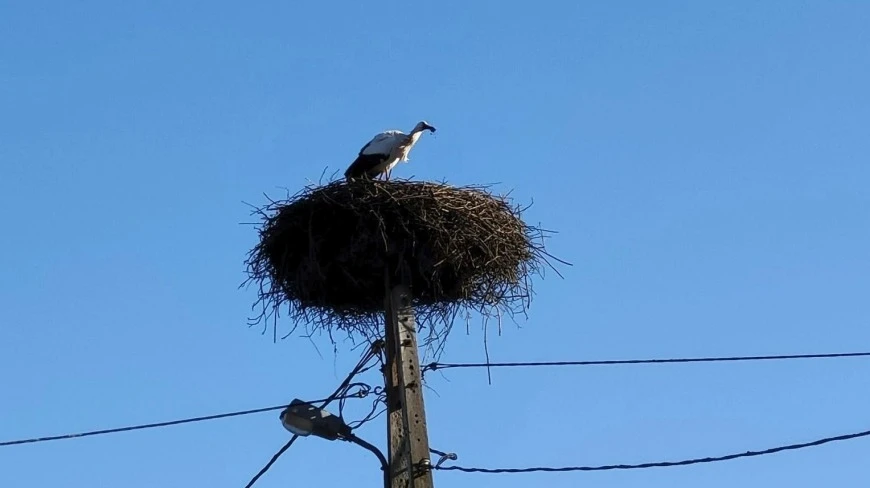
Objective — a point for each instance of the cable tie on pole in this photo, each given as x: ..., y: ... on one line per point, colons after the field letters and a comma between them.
x: 444, y: 457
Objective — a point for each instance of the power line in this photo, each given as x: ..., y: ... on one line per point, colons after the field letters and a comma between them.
x: 341, y: 393
x: 436, y: 366
x: 662, y: 464
x: 157, y: 424
x: 272, y: 461
x: 143, y: 426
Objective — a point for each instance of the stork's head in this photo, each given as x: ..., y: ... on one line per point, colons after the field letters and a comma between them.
x: 423, y: 125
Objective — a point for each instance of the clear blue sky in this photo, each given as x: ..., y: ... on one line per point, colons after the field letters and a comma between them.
x: 704, y: 162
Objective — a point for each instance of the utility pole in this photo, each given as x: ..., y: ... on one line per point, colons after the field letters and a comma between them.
x: 406, y: 425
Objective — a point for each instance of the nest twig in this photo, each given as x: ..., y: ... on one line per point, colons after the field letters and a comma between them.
x: 324, y: 253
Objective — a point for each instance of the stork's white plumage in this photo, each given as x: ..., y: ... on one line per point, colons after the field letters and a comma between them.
x: 384, y: 152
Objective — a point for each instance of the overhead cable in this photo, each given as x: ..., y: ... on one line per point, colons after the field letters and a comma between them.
x: 608, y: 362
x: 661, y: 464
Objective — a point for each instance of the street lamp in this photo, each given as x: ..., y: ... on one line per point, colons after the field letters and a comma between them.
x: 304, y: 419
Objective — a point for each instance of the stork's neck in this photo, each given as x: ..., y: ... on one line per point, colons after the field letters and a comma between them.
x: 414, y: 136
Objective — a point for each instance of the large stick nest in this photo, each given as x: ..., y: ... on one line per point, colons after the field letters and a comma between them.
x: 327, y: 252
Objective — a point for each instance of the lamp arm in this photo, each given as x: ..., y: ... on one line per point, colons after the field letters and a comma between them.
x: 385, y: 466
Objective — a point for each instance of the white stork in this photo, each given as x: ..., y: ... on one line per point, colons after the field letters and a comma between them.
x: 384, y: 152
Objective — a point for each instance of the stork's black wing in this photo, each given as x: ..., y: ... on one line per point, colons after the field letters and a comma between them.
x: 364, y: 164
